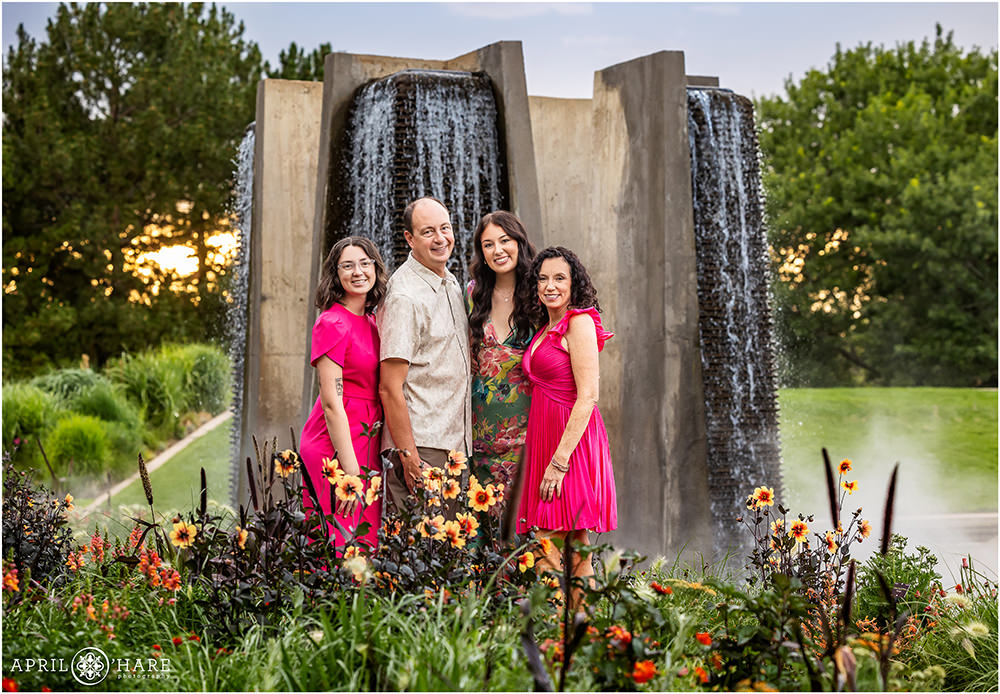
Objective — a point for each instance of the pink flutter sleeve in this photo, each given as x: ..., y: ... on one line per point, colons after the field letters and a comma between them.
x: 602, y: 335
x: 330, y: 337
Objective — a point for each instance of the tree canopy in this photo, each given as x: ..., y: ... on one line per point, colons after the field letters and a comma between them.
x: 119, y: 134
x: 881, y: 181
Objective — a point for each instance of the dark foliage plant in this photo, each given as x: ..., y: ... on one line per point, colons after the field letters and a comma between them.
x: 36, y: 537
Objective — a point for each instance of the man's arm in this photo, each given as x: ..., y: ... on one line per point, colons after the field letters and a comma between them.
x: 397, y: 417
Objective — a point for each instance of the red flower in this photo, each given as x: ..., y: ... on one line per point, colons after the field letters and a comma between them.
x: 46, y: 689
x: 644, y: 671
x: 662, y: 590
x: 958, y: 588
x: 704, y: 638
x: 9, y: 685
x: 177, y: 640
x: 701, y: 674
x: 156, y: 647
x: 194, y: 637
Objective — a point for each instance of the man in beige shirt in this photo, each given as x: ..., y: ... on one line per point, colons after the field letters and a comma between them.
x: 425, y: 382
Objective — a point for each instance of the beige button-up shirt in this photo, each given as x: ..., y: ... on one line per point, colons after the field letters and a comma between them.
x: 423, y: 322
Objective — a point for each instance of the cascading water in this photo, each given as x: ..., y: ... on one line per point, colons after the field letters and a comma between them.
x: 236, y: 315
x: 735, y: 322
x: 416, y: 133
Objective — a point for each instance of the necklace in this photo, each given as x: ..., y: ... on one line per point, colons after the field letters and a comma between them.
x: 507, y: 299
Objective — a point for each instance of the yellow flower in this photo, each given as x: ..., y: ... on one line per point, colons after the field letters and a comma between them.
x: 456, y: 462
x: 845, y: 466
x: 286, y: 462
x: 349, y: 487
x: 799, y: 530
x: 352, y: 551
x: 831, y: 545
x: 371, y: 494
x: 434, y: 500
x: 453, y: 533
x: 763, y: 496
x: 331, y: 470
x: 241, y: 537
x: 357, y: 566
x: 866, y: 528
x: 777, y: 526
x: 470, y: 526
x: 849, y: 486
x: 480, y: 499
x: 183, y: 534
x: 69, y: 502
x: 525, y: 561
x: 451, y: 489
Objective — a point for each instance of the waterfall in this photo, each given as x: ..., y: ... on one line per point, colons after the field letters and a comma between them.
x: 236, y: 314
x: 735, y: 323
x: 416, y: 133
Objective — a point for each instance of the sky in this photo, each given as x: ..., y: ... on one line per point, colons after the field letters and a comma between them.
x: 752, y: 47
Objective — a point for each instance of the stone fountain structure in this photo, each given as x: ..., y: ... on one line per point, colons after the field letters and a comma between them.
x: 654, y: 182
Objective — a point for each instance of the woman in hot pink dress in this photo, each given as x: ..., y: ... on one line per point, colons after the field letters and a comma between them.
x: 345, y: 353
x: 569, y: 486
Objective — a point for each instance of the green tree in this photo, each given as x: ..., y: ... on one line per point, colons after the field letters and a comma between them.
x: 119, y: 134
x: 881, y: 182
x: 296, y: 64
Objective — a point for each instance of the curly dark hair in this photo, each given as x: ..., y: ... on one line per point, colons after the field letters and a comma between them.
x: 484, y: 279
x: 583, y: 294
x: 329, y: 291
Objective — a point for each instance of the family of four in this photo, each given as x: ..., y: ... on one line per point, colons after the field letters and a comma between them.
x: 511, y: 364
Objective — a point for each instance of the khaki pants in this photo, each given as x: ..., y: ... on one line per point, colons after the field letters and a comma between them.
x: 398, y: 496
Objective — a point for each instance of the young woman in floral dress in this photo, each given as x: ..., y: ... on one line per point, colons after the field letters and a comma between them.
x: 499, y: 297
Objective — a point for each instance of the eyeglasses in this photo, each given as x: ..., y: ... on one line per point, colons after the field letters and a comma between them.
x: 349, y: 266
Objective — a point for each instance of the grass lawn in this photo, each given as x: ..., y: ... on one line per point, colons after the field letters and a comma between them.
x: 945, y: 440
x: 176, y: 483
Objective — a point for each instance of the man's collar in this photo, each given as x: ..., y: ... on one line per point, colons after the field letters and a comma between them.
x: 433, y: 279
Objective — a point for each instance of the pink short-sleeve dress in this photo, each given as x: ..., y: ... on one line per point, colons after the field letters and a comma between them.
x: 352, y: 342
x: 588, y: 491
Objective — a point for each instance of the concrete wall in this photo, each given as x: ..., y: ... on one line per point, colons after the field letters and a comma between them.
x: 281, y: 237
x: 615, y: 182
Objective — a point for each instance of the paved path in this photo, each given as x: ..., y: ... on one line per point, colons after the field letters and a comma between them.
x: 954, y: 536
x: 160, y: 459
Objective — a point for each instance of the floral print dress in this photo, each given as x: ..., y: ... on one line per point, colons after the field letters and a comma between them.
x: 500, y: 401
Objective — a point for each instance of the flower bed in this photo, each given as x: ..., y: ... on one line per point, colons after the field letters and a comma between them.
x: 262, y: 601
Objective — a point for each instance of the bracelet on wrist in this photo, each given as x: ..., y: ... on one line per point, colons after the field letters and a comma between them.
x: 557, y: 466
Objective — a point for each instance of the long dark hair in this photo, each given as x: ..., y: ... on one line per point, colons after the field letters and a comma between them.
x: 485, y: 279
x: 582, y: 294
x: 331, y: 291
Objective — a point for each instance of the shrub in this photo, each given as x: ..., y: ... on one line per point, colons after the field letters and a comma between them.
x: 156, y: 385
x: 106, y: 402
x: 27, y: 414
x: 913, y: 576
x: 206, y: 375
x: 64, y: 384
x: 80, y: 438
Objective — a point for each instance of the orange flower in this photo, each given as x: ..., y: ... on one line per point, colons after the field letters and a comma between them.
x: 831, y: 545
x: 241, y: 537
x: 546, y: 546
x: 480, y: 499
x: 644, y: 671
x: 69, y: 502
x: 349, y: 487
x: 866, y: 528
x: 799, y: 530
x: 453, y: 533
x: 431, y: 527
x: 456, y: 463
x: 10, y: 581
x: 777, y: 526
x: 469, y: 524
x: 619, y: 637
x: 845, y: 466
x: 525, y: 561
x: 451, y: 489
x: 763, y: 496
x: 704, y: 638
x: 374, y: 485
x: 701, y: 674
x: 662, y: 590
x: 286, y: 462
x: 171, y: 579
x: 183, y: 534
x: 331, y: 470
x: 849, y: 486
